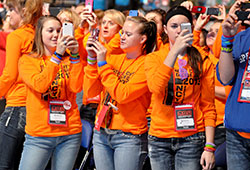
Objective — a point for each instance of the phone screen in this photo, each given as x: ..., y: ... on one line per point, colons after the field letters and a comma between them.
x: 213, y: 11
x: 67, y: 29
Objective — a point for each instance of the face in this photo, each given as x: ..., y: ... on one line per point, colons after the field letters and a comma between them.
x: 131, y: 40
x: 212, y: 33
x: 108, y: 28
x: 15, y: 17
x: 79, y: 9
x: 157, y: 18
x: 173, y: 27
x: 50, y: 33
x: 63, y: 17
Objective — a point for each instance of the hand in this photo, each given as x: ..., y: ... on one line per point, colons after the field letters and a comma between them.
x: 88, y: 19
x: 201, y: 21
x: 223, y: 13
x: 61, y: 43
x: 207, y: 160
x: 182, y: 42
x: 72, y: 45
x: 95, y: 48
x: 187, y: 4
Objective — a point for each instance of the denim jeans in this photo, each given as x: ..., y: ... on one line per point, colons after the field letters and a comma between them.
x: 38, y: 150
x: 238, y: 151
x: 12, y: 123
x: 176, y: 153
x: 117, y: 150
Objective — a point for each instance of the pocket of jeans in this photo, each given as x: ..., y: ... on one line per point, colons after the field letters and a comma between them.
x: 5, y: 115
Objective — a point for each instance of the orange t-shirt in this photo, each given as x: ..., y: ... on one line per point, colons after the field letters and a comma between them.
x: 130, y: 93
x: 39, y: 74
x: 19, y: 42
x: 200, y: 91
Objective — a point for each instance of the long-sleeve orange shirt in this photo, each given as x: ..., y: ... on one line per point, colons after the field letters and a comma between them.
x: 38, y: 74
x: 200, y: 91
x: 19, y: 42
x: 131, y: 93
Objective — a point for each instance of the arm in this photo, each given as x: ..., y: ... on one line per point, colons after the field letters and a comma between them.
x: 10, y: 72
x: 220, y: 92
x: 33, y: 77
x: 207, y: 106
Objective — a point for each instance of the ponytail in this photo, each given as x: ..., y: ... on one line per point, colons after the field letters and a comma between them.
x: 195, y: 61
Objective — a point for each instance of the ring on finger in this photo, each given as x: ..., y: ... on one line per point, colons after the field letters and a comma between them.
x: 65, y: 42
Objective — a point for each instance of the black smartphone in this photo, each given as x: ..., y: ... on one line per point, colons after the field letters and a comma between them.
x: 213, y: 11
x: 244, y: 6
x: 242, y: 15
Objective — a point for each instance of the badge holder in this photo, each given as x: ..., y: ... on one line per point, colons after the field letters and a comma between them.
x: 184, y: 117
x: 244, y: 94
x: 57, y: 113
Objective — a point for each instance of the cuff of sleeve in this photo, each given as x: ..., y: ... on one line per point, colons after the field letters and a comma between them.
x: 210, y: 122
x: 196, y: 32
x: 165, y: 70
x: 218, y: 76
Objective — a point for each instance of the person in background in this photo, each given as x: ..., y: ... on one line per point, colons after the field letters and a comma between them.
x: 181, y: 78
x: 120, y: 135
x: 53, y: 74
x: 19, y: 42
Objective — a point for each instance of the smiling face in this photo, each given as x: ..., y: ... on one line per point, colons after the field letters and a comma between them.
x: 212, y: 33
x: 108, y: 28
x: 173, y: 27
x: 50, y: 33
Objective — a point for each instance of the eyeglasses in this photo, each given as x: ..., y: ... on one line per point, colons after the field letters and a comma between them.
x: 182, y: 71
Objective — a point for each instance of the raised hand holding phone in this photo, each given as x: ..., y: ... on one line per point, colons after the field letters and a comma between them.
x: 187, y: 26
x: 89, y: 5
x: 68, y: 29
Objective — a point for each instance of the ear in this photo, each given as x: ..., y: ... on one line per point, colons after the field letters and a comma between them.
x: 143, y: 39
x: 165, y: 29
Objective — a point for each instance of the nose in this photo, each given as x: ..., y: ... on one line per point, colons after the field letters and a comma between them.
x: 178, y: 30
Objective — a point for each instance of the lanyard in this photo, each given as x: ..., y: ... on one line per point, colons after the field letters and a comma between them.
x: 60, y: 77
x: 119, y: 76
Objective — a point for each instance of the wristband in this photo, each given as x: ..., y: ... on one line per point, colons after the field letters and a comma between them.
x: 91, y: 60
x: 101, y: 63
x: 209, y: 150
x: 55, y: 60
x: 209, y: 143
x: 226, y: 49
x: 227, y: 41
x: 58, y: 55
x: 74, y: 55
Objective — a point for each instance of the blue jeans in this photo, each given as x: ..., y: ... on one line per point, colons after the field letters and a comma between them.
x: 238, y: 151
x: 38, y: 150
x: 117, y: 150
x: 176, y: 153
x: 12, y: 123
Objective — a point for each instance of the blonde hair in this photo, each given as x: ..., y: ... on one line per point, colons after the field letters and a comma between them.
x: 116, y: 16
x: 72, y: 15
x: 33, y: 11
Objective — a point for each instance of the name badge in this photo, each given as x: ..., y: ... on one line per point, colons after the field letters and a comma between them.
x: 184, y: 117
x: 57, y: 113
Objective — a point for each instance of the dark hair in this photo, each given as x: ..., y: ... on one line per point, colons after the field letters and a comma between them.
x: 163, y: 14
x: 38, y: 45
x: 195, y: 60
x: 178, y: 10
x: 149, y: 29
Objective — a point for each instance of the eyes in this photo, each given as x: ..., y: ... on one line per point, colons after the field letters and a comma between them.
x: 108, y: 22
x: 51, y: 30
x: 174, y: 26
x: 128, y: 34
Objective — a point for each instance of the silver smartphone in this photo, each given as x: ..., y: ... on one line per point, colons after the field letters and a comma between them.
x: 68, y: 29
x: 189, y: 28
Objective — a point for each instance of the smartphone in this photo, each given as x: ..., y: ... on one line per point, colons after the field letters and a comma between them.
x: 89, y: 5
x: 242, y: 15
x: 244, y: 6
x: 95, y: 33
x: 133, y: 13
x: 199, y: 9
x: 189, y: 28
x: 68, y: 29
x: 213, y: 11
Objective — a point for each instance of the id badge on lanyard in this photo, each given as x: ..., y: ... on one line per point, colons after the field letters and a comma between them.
x: 244, y: 94
x: 184, y: 117
x: 57, y: 112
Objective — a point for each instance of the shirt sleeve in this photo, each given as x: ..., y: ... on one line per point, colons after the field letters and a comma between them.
x: 33, y: 77
x: 10, y: 72
x: 207, y: 104
x: 157, y: 73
